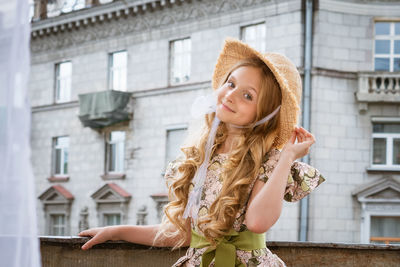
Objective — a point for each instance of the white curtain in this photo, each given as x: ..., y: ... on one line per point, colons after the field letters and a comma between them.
x: 19, y: 246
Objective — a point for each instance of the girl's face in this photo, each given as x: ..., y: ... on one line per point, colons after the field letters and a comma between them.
x: 238, y: 96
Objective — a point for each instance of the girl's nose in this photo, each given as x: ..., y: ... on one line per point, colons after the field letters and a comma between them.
x: 231, y: 94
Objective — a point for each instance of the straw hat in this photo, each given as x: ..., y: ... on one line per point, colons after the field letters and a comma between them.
x: 285, y: 73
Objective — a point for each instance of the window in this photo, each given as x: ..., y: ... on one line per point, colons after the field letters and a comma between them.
x: 254, y: 35
x: 180, y: 57
x: 63, y: 82
x: 115, y: 152
x: 380, y: 210
x: 386, y: 145
x: 60, y: 153
x: 57, y: 201
x: 118, y: 70
x: 175, y: 138
x: 111, y: 219
x: 385, y: 229
x: 57, y: 224
x: 387, y: 46
x: 112, y: 203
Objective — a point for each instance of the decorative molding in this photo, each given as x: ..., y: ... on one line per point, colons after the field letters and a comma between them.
x: 52, y: 107
x: 113, y: 176
x: 58, y: 178
x: 111, y: 193
x: 385, y: 119
x: 378, y: 191
x: 161, y: 200
x: 382, y: 207
x: 118, y: 20
x: 334, y: 73
x: 56, y: 194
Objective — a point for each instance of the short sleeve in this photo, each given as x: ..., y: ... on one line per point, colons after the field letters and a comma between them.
x: 302, y: 179
x: 171, y: 170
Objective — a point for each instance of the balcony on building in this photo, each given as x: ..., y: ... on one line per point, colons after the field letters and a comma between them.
x: 377, y: 87
x: 105, y: 108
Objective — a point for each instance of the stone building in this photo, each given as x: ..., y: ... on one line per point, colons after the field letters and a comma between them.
x: 112, y: 83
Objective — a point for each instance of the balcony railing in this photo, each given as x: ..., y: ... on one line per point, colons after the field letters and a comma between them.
x: 43, y: 9
x: 65, y: 251
x: 378, y: 87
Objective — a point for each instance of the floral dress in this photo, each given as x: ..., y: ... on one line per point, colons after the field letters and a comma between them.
x: 302, y: 179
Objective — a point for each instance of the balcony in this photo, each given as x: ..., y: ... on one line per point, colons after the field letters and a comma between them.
x: 377, y: 87
x: 43, y: 9
x: 65, y: 251
x: 102, y: 109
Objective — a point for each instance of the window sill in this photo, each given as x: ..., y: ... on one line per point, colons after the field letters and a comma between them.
x: 58, y: 178
x: 376, y: 170
x: 113, y: 176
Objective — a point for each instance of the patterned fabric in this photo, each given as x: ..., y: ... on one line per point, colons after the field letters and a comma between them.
x: 302, y: 180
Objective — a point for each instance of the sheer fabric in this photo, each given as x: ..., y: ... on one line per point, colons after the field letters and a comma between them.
x: 18, y: 236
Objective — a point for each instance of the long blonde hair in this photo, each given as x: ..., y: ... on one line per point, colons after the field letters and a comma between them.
x: 239, y: 171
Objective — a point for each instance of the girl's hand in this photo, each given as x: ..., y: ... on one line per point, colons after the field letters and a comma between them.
x: 304, y: 141
x: 99, y: 235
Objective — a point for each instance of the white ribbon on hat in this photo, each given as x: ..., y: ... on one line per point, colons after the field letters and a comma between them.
x: 201, y: 106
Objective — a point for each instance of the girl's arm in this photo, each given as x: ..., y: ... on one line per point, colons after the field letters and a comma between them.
x: 139, y: 234
x: 265, y: 203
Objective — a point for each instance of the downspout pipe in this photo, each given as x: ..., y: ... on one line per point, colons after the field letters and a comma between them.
x: 306, y: 109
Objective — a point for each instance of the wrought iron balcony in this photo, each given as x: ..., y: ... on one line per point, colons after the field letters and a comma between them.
x: 102, y: 109
x: 378, y: 87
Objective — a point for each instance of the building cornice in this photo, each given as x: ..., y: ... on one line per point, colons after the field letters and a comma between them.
x: 119, y: 11
x: 99, y: 14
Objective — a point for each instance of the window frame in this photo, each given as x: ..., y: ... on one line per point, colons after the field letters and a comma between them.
x: 263, y: 45
x: 54, y: 152
x: 391, y: 37
x: 108, y: 143
x: 52, y: 225
x: 366, y: 225
x: 57, y: 88
x: 176, y: 127
x: 111, y: 69
x: 104, y: 214
x: 389, y: 146
x: 172, y: 58
x: 388, y: 237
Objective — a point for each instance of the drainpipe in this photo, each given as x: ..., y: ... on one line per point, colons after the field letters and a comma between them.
x: 306, y: 105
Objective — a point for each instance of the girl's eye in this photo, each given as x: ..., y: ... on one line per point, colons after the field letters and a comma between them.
x: 248, y: 96
x: 231, y: 84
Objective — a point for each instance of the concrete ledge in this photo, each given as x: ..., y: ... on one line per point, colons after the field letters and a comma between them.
x: 65, y: 251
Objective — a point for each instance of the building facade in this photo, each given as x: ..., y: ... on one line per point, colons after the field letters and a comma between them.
x: 112, y: 85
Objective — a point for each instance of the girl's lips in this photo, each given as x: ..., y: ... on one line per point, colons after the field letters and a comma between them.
x: 227, y: 108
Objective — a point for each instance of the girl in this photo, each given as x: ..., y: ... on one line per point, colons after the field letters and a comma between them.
x: 227, y: 190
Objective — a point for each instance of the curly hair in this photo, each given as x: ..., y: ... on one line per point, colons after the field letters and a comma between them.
x: 239, y: 170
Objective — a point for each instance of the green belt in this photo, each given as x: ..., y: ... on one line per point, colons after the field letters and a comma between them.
x: 225, y: 251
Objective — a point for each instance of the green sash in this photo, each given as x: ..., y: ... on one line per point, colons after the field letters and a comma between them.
x: 225, y: 251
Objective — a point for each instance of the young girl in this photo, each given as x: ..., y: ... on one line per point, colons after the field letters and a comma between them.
x: 227, y: 190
